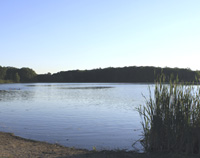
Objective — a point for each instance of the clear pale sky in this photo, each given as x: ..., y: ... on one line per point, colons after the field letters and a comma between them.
x: 60, y: 35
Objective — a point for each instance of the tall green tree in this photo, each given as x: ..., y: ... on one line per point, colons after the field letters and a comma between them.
x: 27, y: 74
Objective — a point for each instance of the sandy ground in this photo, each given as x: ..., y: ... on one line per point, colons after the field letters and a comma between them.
x: 16, y: 147
x: 13, y: 146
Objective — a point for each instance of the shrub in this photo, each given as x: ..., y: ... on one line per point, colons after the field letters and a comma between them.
x: 171, y: 119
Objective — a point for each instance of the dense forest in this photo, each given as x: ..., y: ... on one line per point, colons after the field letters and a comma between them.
x: 12, y: 74
x: 126, y: 74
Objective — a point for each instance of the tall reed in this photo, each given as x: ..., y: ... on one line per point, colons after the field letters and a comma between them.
x: 171, y: 118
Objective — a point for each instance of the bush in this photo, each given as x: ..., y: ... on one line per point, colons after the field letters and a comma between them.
x: 171, y: 120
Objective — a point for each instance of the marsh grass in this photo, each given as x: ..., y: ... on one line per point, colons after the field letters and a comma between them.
x: 6, y: 81
x: 171, y: 118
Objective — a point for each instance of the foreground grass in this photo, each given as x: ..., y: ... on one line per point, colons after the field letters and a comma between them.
x: 171, y: 119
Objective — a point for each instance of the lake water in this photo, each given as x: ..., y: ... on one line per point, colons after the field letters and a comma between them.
x: 81, y: 115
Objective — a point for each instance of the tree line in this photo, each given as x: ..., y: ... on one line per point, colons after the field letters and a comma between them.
x: 12, y: 74
x: 124, y: 74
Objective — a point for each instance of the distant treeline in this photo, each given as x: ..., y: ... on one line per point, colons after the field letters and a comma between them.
x: 12, y: 74
x: 126, y: 74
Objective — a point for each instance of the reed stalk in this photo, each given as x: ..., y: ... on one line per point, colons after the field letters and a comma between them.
x: 171, y: 118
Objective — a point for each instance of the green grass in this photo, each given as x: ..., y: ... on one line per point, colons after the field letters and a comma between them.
x: 171, y: 119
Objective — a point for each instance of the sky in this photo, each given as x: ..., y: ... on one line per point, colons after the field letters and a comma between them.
x: 60, y: 35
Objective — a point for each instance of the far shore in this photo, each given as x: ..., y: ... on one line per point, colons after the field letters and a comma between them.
x: 12, y: 146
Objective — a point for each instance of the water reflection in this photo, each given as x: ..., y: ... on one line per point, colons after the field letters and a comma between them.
x: 85, y: 87
x: 72, y: 86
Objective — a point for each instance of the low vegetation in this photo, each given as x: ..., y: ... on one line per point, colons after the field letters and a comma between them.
x: 171, y: 119
x: 6, y: 81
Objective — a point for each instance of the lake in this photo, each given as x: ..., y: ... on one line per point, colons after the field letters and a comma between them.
x: 80, y: 115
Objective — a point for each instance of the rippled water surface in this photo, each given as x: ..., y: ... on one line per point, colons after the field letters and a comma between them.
x: 81, y: 115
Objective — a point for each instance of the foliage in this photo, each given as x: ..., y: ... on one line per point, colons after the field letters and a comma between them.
x: 2, y: 73
x: 11, y: 74
x: 171, y: 120
x: 125, y: 74
x: 27, y: 75
x: 17, y: 78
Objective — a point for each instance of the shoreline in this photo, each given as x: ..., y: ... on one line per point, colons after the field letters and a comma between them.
x: 12, y: 146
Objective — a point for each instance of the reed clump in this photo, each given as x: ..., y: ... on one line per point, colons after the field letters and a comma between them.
x: 171, y: 118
